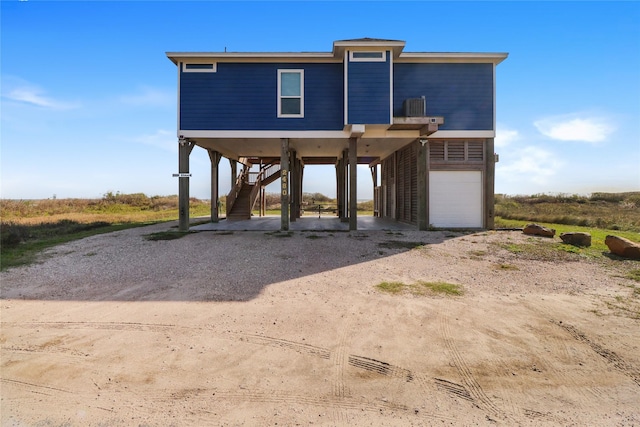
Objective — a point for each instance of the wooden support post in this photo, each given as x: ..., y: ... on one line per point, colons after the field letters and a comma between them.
x: 489, y: 184
x: 341, y: 172
x: 374, y: 177
x: 293, y: 187
x: 184, y: 150
x: 423, y: 190
x: 234, y: 171
x: 214, y: 157
x: 284, y: 184
x: 339, y: 187
x: 301, y: 171
x: 353, y: 184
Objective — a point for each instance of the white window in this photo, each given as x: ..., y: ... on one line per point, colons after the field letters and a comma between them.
x: 362, y: 56
x: 199, y: 67
x: 290, y: 93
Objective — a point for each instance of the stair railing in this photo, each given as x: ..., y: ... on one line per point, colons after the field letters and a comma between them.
x: 266, y: 172
x: 233, y: 194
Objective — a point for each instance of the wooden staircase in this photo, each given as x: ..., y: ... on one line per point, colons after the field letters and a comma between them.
x: 241, y: 208
x: 244, y: 194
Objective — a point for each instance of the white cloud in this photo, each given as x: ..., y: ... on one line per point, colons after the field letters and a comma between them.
x: 576, y: 127
x: 530, y: 164
x: 505, y: 136
x: 149, y: 96
x: 19, y: 90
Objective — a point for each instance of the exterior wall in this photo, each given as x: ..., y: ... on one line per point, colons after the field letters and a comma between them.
x: 399, y: 180
x: 369, y: 91
x: 400, y: 184
x: 461, y: 93
x: 243, y: 96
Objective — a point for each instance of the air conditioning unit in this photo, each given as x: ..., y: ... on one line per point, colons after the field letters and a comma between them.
x: 415, y: 107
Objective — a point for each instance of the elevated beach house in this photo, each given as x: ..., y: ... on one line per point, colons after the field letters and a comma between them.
x: 423, y: 122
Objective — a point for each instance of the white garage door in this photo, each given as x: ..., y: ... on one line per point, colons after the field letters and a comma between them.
x: 455, y: 199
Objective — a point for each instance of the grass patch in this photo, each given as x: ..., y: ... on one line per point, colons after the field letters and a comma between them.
x: 399, y: 244
x: 279, y: 233
x: 421, y: 288
x: 634, y: 275
x: 440, y: 288
x: 507, y: 267
x: 477, y: 254
x: 314, y: 236
x: 598, y: 235
x: 166, y: 235
x: 391, y: 287
x: 543, y: 250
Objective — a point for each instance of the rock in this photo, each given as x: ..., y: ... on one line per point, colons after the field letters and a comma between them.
x: 576, y: 239
x: 623, y: 247
x: 538, y: 230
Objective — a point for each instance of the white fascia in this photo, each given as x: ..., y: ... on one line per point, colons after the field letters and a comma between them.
x: 178, y: 106
x: 391, y: 90
x: 494, y: 98
x: 452, y: 57
x: 444, y: 134
x: 268, y: 134
x: 176, y: 57
x: 346, y: 87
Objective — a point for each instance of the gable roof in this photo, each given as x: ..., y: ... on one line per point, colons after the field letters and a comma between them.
x: 396, y: 46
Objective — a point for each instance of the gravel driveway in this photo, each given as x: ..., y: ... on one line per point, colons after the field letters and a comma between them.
x: 265, y: 328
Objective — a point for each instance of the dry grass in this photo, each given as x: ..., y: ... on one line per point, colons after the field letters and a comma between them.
x: 421, y: 288
x: 29, y: 226
x: 112, y: 208
x: 614, y: 211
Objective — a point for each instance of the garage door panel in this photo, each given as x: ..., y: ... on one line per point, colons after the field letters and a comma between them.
x: 455, y: 199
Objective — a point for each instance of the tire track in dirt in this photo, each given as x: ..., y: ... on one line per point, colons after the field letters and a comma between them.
x: 302, y: 348
x: 583, y: 392
x: 112, y: 326
x: 340, y: 398
x: 380, y: 367
x: 63, y: 351
x: 475, y: 390
x: 38, y: 387
x: 610, y: 356
x: 344, y: 403
x: 339, y: 387
x: 454, y: 389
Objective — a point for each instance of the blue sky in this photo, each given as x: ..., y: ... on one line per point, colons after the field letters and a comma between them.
x: 89, y: 98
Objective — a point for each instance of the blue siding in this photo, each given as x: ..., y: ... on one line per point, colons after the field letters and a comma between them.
x: 243, y: 96
x: 462, y: 93
x: 368, y: 92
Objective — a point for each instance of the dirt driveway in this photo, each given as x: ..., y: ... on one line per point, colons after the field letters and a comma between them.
x: 254, y: 328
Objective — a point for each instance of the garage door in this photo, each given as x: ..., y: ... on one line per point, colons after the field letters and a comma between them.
x: 455, y: 199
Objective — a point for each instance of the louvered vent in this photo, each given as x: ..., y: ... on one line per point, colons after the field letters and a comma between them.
x: 436, y: 150
x: 475, y: 151
x: 455, y: 151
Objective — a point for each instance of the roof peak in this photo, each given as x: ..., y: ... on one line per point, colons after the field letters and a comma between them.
x: 369, y: 39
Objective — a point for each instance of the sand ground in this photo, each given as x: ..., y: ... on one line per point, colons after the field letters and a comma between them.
x: 255, y: 328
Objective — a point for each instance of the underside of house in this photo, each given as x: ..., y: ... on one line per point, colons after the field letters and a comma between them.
x: 424, y: 123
